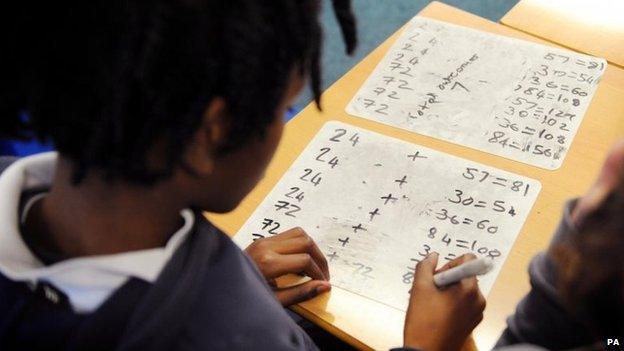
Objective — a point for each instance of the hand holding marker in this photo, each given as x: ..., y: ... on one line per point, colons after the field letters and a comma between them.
x: 471, y: 268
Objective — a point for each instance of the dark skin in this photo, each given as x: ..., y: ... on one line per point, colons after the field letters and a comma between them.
x: 101, y: 218
x: 442, y: 319
x: 293, y: 251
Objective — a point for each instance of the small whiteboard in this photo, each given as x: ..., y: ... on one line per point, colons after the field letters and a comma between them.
x: 376, y: 206
x: 504, y: 96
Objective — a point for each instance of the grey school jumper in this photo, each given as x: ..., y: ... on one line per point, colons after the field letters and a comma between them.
x: 209, y: 296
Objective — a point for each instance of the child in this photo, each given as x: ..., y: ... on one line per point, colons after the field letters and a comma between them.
x: 160, y: 110
x: 577, y: 298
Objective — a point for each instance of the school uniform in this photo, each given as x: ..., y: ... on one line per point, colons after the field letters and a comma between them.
x: 199, y: 292
x: 541, y: 321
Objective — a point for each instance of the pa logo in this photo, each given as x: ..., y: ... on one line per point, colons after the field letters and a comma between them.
x: 613, y: 342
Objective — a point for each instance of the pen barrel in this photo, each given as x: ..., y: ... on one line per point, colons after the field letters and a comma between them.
x: 469, y: 269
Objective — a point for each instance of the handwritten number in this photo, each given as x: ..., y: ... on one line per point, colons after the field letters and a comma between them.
x: 340, y: 134
x: 323, y: 152
x: 381, y: 110
x: 293, y: 210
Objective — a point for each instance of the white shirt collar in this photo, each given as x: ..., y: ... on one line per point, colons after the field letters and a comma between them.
x: 87, y: 281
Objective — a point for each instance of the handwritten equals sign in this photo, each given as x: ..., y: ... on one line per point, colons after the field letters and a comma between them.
x: 528, y: 131
x: 480, y: 204
x: 500, y: 181
x: 464, y: 244
x: 538, y: 111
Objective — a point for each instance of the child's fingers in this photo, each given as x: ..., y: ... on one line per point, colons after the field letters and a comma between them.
x: 470, y: 286
x: 426, y: 268
x: 290, y: 233
x: 297, y: 263
x: 302, y: 292
x: 303, y: 244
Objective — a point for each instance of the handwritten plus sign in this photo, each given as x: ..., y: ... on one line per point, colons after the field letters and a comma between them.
x: 389, y: 198
x: 373, y: 214
x: 415, y: 156
x: 358, y: 227
x: 344, y: 241
x: 332, y: 256
x: 401, y: 181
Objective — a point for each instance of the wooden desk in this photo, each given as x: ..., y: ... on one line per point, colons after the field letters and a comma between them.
x: 367, y: 324
x: 594, y: 27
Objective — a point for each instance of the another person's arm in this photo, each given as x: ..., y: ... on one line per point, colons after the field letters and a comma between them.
x: 585, y: 253
x: 541, y: 318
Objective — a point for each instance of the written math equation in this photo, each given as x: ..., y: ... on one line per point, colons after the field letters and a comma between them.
x: 376, y: 206
x: 504, y: 96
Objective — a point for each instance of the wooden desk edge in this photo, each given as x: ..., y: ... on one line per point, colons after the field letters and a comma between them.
x: 512, y: 20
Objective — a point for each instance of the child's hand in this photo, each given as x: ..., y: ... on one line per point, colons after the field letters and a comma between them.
x: 291, y: 252
x: 441, y: 319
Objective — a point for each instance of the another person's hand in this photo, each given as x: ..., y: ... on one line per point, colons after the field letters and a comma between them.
x: 610, y: 179
x: 588, y: 261
x: 441, y: 319
x: 292, y: 251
